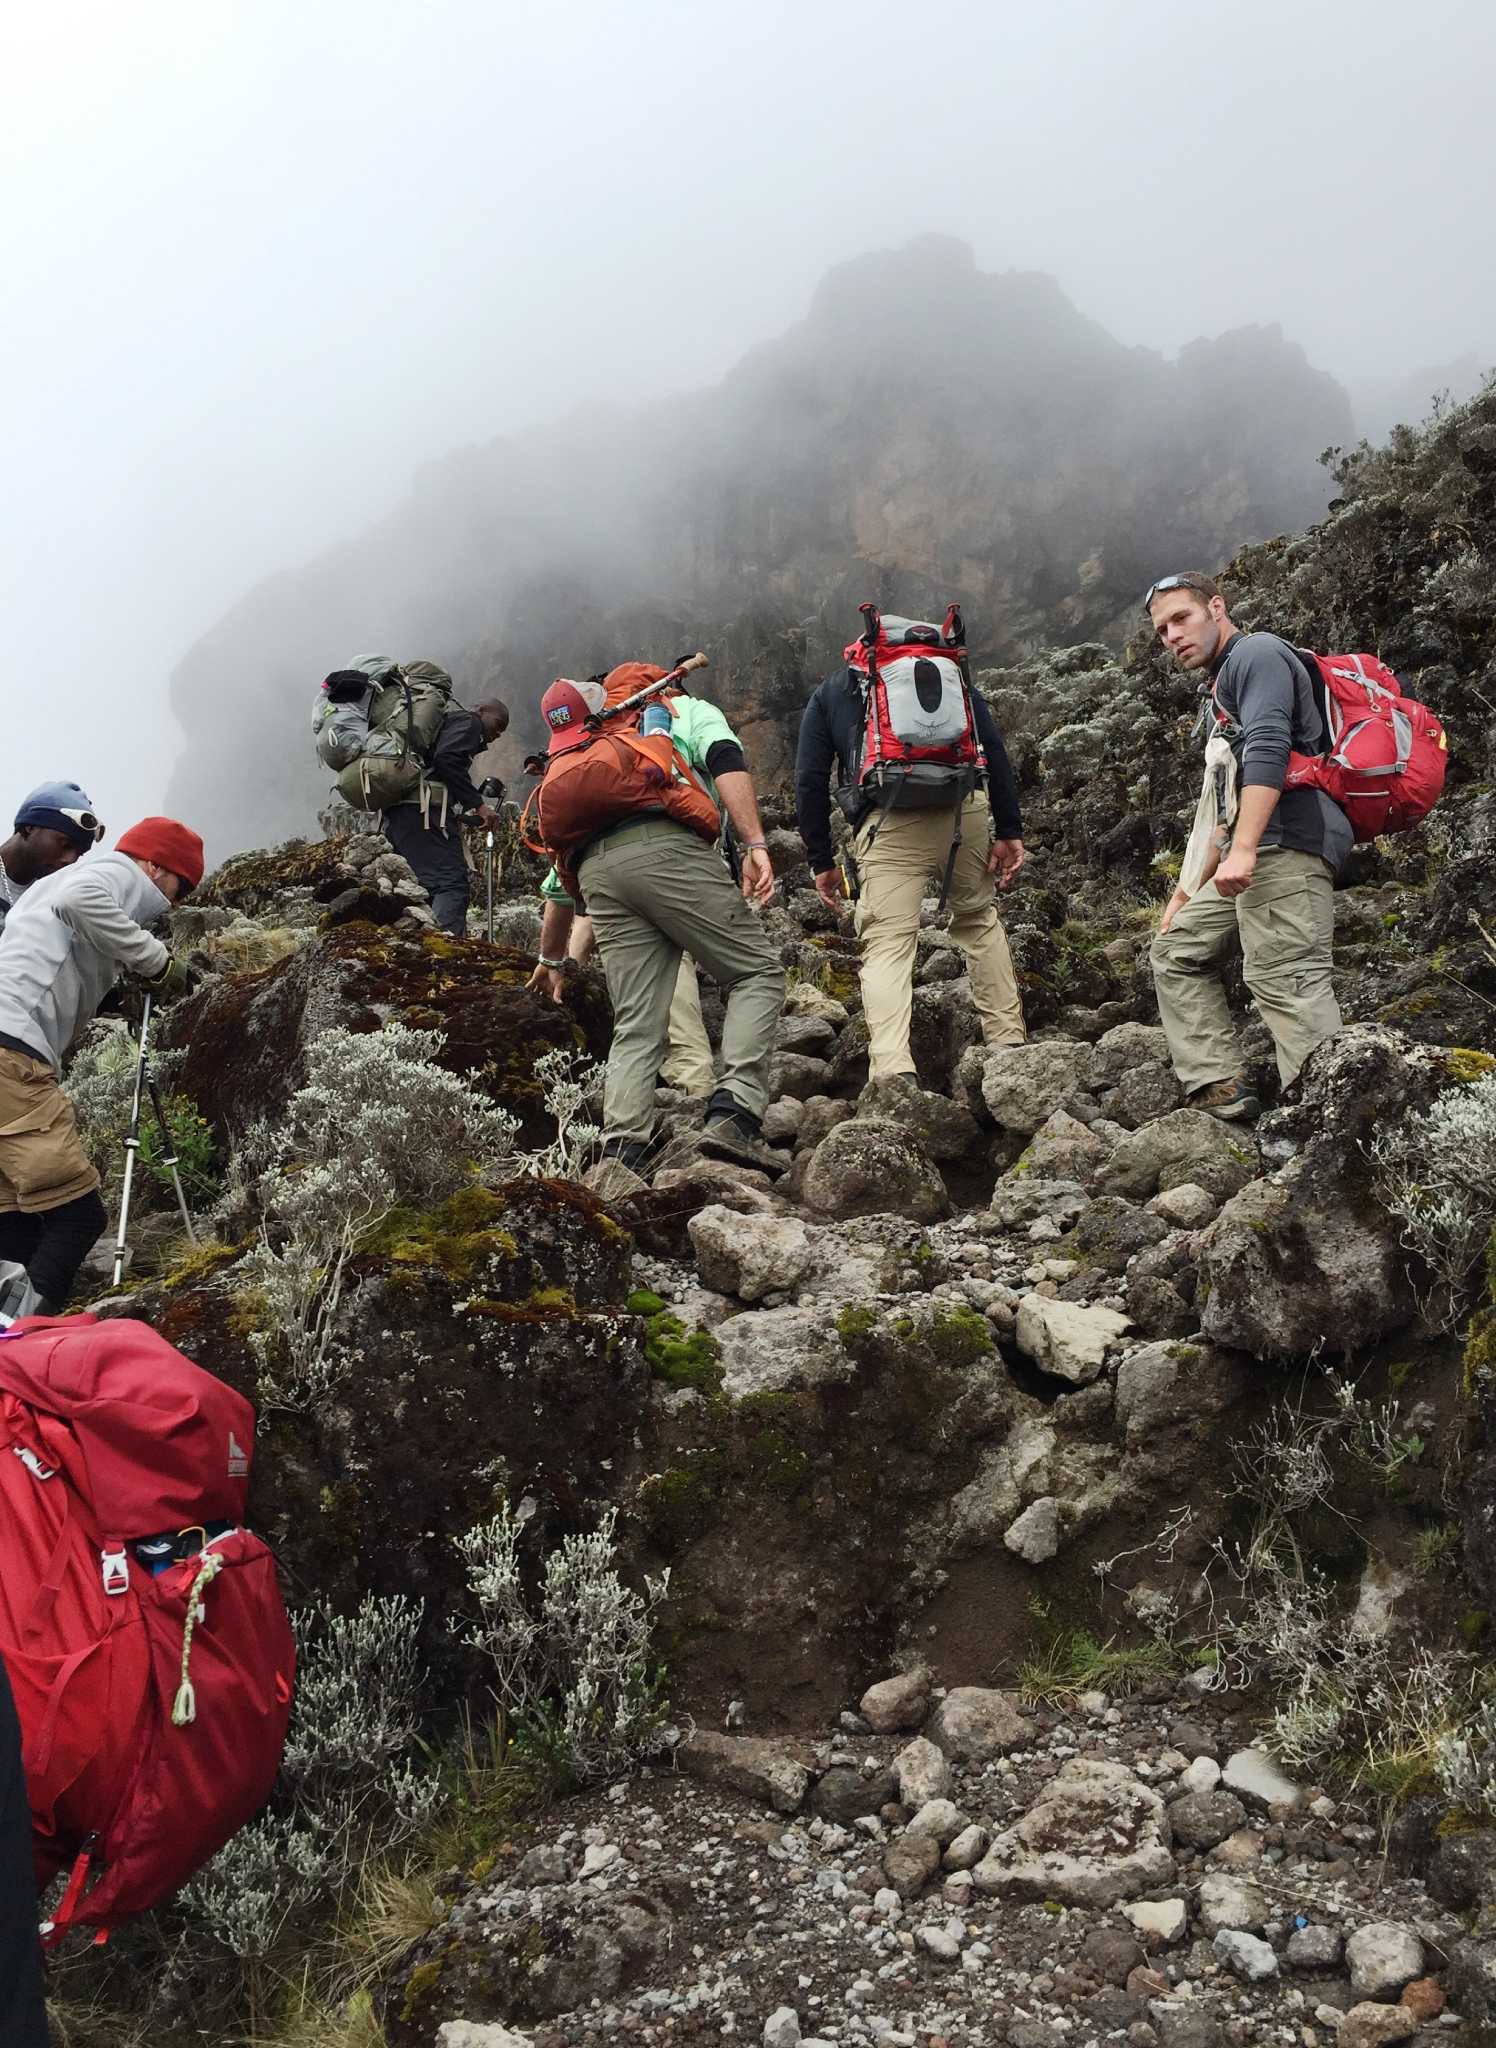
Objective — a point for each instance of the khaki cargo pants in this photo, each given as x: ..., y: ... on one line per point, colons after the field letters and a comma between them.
x: 656, y: 890
x: 42, y: 1160
x: 1283, y: 923
x: 898, y: 865
x: 688, y: 1062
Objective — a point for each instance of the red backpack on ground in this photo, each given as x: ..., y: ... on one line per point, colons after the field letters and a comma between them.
x: 142, y: 1628
x: 919, y: 748
x: 1387, y: 753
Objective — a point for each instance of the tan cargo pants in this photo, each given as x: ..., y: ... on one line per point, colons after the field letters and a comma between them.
x: 655, y: 890
x: 42, y: 1160
x: 905, y: 860
x: 1283, y: 923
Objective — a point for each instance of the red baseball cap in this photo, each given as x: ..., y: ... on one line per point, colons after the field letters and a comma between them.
x: 566, y: 708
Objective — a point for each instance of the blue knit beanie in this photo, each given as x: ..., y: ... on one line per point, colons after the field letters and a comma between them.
x: 49, y: 805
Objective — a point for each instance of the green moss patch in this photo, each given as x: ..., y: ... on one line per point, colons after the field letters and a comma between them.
x: 456, y: 1239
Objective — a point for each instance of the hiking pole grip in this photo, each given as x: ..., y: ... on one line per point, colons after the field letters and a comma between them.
x: 692, y: 661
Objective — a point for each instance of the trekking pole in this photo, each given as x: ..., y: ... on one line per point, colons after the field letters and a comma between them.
x: 651, y: 690
x: 492, y: 792
x: 132, y: 1142
x: 169, y: 1154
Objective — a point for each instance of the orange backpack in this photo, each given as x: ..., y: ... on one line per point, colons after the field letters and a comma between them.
x: 615, y: 776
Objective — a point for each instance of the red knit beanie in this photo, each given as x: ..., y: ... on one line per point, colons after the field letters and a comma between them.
x: 171, y: 846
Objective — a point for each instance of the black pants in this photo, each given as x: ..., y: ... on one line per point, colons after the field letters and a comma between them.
x: 435, y: 854
x: 23, y: 2017
x: 52, y: 1245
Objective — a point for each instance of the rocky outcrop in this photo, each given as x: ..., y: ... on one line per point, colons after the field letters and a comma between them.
x: 244, y: 1035
x: 1308, y: 1260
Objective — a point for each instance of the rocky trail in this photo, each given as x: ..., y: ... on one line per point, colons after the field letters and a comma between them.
x: 1103, y: 1871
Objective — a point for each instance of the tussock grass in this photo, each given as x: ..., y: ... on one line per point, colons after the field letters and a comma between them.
x: 1075, y: 1662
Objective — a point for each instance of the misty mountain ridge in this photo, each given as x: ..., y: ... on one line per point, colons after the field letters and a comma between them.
x: 928, y: 431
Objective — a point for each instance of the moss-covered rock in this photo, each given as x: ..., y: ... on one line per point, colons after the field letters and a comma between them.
x: 245, y: 1035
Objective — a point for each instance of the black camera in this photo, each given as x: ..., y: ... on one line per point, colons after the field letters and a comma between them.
x: 491, y: 790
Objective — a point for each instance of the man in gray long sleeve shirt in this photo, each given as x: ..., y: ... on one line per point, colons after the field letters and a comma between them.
x: 61, y: 951
x: 1270, y: 890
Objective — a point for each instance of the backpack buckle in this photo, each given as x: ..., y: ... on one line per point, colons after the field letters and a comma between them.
x: 116, y: 1571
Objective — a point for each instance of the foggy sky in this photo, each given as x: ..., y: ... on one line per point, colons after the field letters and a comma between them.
x: 262, y: 259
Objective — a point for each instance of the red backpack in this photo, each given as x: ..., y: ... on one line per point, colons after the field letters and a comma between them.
x: 1387, y: 753
x: 919, y: 747
x: 141, y: 1626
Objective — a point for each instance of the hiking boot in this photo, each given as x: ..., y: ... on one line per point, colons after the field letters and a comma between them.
x: 732, y: 1132
x: 1232, y: 1101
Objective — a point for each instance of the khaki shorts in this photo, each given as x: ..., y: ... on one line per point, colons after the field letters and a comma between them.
x: 42, y: 1160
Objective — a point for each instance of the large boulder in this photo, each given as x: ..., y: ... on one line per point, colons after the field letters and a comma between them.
x: 1161, y: 1386
x: 945, y: 1129
x: 1308, y: 1260
x: 1062, y: 1148
x: 1068, y: 1338
x: 756, y: 1255
x: 1187, y: 1145
x: 1096, y: 1835
x: 1123, y: 1049
x: 871, y: 1167
x: 1022, y: 1085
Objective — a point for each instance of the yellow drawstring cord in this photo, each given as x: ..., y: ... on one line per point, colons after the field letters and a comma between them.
x: 185, y: 1707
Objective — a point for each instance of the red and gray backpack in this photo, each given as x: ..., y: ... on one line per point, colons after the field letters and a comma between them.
x: 919, y: 743
x: 141, y: 1625
x: 1386, y: 754
x: 920, y: 749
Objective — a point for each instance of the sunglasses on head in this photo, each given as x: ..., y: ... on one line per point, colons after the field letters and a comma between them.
x: 85, y: 821
x: 1175, y: 583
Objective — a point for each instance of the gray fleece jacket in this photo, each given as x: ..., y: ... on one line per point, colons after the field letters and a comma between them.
x: 64, y: 945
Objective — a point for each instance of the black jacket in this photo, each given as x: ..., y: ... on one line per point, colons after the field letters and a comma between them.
x: 458, y: 743
x: 831, y: 735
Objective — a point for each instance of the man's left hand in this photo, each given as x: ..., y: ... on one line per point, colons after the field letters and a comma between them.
x: 549, y: 981
x: 1005, y: 860
x: 1234, y: 875
x: 758, y: 876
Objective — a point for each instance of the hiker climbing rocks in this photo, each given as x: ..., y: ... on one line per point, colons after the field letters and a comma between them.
x: 1261, y: 865
x: 61, y: 951
x: 688, y: 1064
x: 926, y: 785
x: 55, y: 825
x: 631, y: 819
x: 427, y: 832
x: 400, y: 746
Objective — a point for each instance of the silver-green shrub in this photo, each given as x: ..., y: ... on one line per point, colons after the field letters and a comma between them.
x: 378, y: 1124
x: 1435, y: 1172
x: 573, y: 1670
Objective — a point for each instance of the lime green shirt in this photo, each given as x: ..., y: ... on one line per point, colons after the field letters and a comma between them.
x: 698, y: 728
